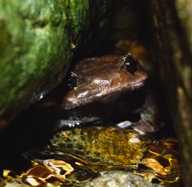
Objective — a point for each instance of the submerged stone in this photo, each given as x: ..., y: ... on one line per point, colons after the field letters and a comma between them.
x: 108, y: 146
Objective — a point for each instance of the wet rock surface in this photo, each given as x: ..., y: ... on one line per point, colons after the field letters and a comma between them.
x: 120, y: 179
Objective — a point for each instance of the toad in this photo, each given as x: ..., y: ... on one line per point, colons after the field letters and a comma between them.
x: 99, y: 78
x: 107, y: 87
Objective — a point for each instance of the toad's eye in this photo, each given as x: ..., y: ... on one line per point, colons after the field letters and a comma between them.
x: 130, y: 63
x: 72, y: 80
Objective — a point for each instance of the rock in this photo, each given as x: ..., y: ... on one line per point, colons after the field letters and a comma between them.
x: 172, y: 52
x: 15, y: 184
x: 120, y: 179
x: 110, y: 147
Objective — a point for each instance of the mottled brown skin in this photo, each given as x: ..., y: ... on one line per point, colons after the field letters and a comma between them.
x: 103, y: 77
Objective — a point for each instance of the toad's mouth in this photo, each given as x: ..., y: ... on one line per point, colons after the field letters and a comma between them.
x: 87, y: 97
x: 138, y: 84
